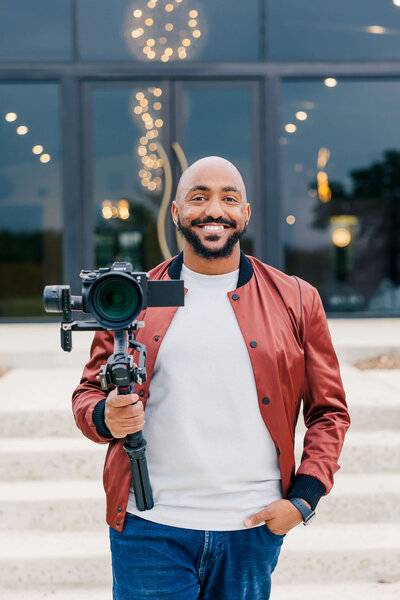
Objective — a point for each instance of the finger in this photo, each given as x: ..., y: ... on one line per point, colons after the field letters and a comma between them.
x: 257, y: 518
x: 122, y: 415
x: 122, y: 428
x: 122, y: 400
x: 125, y: 412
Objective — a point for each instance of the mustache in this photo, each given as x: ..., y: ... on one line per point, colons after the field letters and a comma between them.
x: 219, y: 221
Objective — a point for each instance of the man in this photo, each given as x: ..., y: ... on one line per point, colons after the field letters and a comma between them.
x: 226, y: 376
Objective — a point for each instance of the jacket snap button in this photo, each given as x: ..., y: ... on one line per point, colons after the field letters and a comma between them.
x: 119, y: 509
x: 265, y: 400
x: 141, y: 393
x: 235, y: 297
x: 253, y: 344
x: 156, y: 338
x: 118, y: 523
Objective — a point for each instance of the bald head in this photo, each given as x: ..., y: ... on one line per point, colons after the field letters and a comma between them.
x: 207, y: 170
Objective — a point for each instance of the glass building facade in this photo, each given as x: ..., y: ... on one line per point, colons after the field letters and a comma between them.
x: 103, y: 104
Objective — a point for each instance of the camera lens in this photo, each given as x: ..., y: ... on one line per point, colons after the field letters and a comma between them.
x: 115, y: 299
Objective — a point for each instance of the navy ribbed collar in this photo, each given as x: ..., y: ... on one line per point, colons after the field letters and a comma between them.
x: 245, y: 269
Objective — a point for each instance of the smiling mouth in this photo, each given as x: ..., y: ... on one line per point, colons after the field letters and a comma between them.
x: 213, y: 228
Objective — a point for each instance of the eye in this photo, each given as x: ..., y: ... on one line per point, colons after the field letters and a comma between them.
x: 231, y: 199
x: 197, y: 198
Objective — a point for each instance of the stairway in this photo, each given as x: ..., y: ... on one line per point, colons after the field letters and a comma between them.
x: 53, y: 536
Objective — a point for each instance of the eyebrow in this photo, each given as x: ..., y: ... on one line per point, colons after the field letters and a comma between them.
x: 204, y: 188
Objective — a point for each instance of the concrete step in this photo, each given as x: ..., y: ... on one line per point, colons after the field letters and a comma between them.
x: 359, y: 497
x: 373, y: 398
x: 364, y: 552
x: 78, y: 457
x: 37, y: 402
x: 339, y: 553
x: 46, y: 558
x: 356, y: 339
x: 54, y: 506
x: 37, y: 345
x: 56, y: 592
x: 51, y: 458
x: 59, y: 506
x: 350, y: 591
x: 344, y: 591
x: 333, y: 591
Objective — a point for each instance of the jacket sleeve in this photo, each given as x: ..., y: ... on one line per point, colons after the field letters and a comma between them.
x: 324, y: 406
x: 88, y: 400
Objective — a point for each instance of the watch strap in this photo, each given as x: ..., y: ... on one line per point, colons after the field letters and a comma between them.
x: 307, y: 513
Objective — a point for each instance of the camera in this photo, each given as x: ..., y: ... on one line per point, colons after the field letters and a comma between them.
x: 114, y: 295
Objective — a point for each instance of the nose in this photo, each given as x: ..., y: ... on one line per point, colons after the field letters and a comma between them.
x: 214, y: 207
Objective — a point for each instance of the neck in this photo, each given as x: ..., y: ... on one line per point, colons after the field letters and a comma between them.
x: 206, y: 266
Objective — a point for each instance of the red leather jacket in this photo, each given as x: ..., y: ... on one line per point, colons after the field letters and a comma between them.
x: 292, y: 359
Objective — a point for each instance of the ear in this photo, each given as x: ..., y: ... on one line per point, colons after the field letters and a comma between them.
x: 247, y: 213
x: 174, y: 212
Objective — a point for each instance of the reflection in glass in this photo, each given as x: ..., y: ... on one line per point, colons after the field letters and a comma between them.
x: 341, y: 184
x: 227, y: 113
x: 36, y: 31
x: 206, y: 30
x: 165, y: 31
x: 128, y: 174
x: 30, y: 197
x: 333, y: 30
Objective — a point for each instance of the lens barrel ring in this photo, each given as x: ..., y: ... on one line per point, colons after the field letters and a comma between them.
x: 115, y: 300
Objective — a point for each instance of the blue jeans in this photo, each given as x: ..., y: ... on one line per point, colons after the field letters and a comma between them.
x: 158, y: 561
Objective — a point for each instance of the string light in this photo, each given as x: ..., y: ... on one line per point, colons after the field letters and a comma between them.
x: 330, y: 82
x: 171, y: 24
x: 37, y: 149
x: 11, y: 116
x: 45, y: 158
x: 22, y: 130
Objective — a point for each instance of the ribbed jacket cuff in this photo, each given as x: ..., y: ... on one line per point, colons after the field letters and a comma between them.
x: 309, y: 488
x: 98, y: 420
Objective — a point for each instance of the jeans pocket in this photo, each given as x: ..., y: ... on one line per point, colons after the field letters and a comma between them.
x: 276, y: 537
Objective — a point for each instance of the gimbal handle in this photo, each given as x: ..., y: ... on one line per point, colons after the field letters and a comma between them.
x: 121, y: 372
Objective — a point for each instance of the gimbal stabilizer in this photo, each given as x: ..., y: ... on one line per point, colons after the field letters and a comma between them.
x: 115, y: 296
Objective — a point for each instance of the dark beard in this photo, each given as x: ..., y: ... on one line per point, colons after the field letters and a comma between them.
x: 202, y: 250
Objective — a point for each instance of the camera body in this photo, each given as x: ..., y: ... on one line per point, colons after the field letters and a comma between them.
x: 114, y: 296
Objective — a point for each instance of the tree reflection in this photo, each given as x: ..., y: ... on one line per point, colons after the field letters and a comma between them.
x: 372, y: 259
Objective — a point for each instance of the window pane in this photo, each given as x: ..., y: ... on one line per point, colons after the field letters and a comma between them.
x: 333, y: 30
x: 30, y: 196
x: 341, y: 187
x: 128, y: 174
x: 217, y: 30
x: 218, y: 122
x: 39, y: 30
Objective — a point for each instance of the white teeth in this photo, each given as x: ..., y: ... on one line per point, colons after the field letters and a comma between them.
x: 213, y: 227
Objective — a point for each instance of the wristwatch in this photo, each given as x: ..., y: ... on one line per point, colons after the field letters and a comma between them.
x: 307, y: 513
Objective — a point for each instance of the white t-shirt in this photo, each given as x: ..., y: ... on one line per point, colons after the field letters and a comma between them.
x: 211, y: 459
